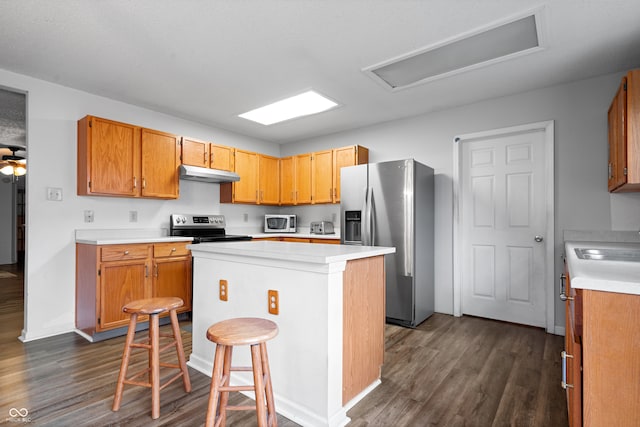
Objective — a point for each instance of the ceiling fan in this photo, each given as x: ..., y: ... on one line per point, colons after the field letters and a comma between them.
x: 12, y: 164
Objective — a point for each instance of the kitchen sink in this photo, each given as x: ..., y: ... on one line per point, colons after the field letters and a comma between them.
x: 632, y: 255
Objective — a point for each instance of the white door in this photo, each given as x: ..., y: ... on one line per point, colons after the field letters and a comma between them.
x: 502, y: 208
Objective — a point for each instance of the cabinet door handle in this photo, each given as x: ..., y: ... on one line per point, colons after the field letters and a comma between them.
x: 135, y: 182
x: 126, y: 252
x: 610, y: 171
x: 563, y: 294
x: 330, y: 192
x: 156, y: 270
x: 204, y: 157
x: 144, y: 183
x: 146, y: 270
x: 564, y: 356
x: 173, y: 249
x: 335, y: 192
x: 262, y: 195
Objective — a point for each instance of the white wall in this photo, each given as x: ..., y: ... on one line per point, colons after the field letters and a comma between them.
x: 582, y: 201
x: 52, y: 114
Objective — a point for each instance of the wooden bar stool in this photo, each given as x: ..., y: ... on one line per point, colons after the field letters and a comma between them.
x: 152, y: 307
x: 242, y: 331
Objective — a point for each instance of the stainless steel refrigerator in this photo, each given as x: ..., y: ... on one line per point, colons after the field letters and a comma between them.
x: 392, y: 204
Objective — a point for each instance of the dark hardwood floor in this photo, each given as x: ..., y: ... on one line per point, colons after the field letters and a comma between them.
x: 448, y: 372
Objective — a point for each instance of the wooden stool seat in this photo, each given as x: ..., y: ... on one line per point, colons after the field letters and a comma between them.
x: 152, y: 307
x: 254, y: 332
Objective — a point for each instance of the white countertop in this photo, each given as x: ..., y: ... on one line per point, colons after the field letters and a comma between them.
x: 600, y: 275
x: 302, y: 235
x: 126, y: 236
x: 291, y: 251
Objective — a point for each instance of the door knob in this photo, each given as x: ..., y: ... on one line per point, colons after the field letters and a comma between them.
x: 538, y: 238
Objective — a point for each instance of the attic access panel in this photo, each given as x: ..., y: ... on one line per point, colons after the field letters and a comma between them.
x: 478, y: 49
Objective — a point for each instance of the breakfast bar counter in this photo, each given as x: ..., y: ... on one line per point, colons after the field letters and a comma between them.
x: 328, y: 303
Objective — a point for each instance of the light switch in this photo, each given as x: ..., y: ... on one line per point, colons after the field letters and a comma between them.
x: 54, y: 194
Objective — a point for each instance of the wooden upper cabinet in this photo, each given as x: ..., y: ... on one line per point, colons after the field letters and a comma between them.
x: 346, y: 156
x: 160, y: 161
x: 302, y: 167
x: 195, y: 152
x: 624, y: 135
x: 221, y: 157
x: 246, y: 165
x: 287, y: 181
x: 108, y: 158
x: 118, y: 159
x: 269, y: 180
x: 322, y: 176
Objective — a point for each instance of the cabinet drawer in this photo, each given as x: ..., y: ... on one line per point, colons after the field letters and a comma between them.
x: 123, y: 252
x: 170, y: 249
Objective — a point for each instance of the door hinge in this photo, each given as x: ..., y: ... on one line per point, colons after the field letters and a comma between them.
x: 624, y: 171
x: 90, y: 123
x: 98, y: 320
x: 624, y: 87
x: 99, y: 272
x: 89, y: 185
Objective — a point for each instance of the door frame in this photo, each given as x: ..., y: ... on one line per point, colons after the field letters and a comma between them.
x: 549, y: 289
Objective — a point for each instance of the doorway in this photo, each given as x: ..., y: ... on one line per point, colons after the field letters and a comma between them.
x: 503, y: 227
x: 13, y: 145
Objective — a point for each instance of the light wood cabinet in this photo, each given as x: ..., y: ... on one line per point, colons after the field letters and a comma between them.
x: 118, y: 159
x: 160, y: 161
x: 322, y: 176
x: 603, y: 338
x: 346, y: 156
x: 302, y: 170
x: 108, y: 158
x: 624, y: 135
x: 195, y: 152
x: 110, y: 276
x: 172, y: 272
x: 287, y: 181
x: 221, y: 157
x: 310, y: 178
x: 206, y: 154
x: 269, y: 180
x: 245, y: 190
x: 572, y: 363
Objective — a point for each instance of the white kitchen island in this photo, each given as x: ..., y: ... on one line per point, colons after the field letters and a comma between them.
x: 330, y: 346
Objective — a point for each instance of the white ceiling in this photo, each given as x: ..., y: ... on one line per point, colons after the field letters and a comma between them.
x: 209, y: 60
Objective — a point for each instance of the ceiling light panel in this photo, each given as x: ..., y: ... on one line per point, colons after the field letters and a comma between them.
x: 304, y: 104
x: 486, y: 46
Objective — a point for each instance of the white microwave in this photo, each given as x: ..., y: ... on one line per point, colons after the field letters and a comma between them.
x: 274, y: 223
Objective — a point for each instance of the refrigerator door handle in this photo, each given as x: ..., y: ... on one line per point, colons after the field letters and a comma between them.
x: 372, y: 219
x: 364, y: 228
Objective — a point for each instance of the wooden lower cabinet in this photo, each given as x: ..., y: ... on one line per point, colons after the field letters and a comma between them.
x: 110, y: 276
x: 604, y: 339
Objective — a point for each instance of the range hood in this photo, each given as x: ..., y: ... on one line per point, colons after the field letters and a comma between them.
x: 195, y: 173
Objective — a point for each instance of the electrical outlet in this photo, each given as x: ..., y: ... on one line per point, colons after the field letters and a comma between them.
x: 274, y: 304
x: 133, y: 216
x: 54, y: 194
x: 245, y: 217
x: 224, y: 290
x: 88, y: 216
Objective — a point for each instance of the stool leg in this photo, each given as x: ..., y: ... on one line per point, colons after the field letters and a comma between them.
x: 155, y: 365
x: 216, y: 378
x: 181, y: 359
x: 272, y: 417
x: 125, y: 362
x: 226, y: 372
x: 256, y: 361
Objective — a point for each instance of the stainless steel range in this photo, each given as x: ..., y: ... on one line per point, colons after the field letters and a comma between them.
x: 203, y: 228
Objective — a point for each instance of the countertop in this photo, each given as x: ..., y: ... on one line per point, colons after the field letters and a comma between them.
x: 298, y: 235
x: 126, y: 236
x: 600, y: 275
x: 291, y: 251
